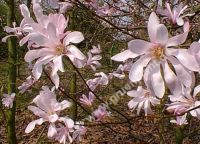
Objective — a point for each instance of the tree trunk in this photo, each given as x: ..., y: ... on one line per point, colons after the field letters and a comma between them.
x: 12, y: 73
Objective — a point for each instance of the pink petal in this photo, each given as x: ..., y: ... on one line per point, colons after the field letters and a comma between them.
x: 139, y: 46
x: 186, y: 59
x: 24, y: 11
x: 161, y: 35
x: 184, y: 76
x: 152, y: 26
x: 34, y: 54
x: 179, y: 39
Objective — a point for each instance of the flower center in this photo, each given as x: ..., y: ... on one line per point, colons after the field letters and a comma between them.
x: 60, y: 49
x: 147, y: 94
x: 158, y: 53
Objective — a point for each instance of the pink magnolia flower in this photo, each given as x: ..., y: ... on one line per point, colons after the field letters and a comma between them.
x: 100, y: 113
x: 80, y: 130
x: 96, y: 50
x: 15, y: 31
x: 180, y: 120
x: 160, y: 51
x: 8, y: 100
x: 122, y: 68
x: 119, y: 73
x: 50, y: 43
x: 63, y: 132
x: 143, y: 98
x: 65, y: 6
x: 174, y: 15
x: 184, y: 102
x: 101, y: 79
x: 48, y: 109
x: 27, y: 84
x: 93, y: 61
x: 87, y: 100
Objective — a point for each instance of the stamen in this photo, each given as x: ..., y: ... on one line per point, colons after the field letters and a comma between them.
x: 60, y: 49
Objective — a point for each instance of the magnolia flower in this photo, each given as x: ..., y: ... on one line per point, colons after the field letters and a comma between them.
x: 15, y: 31
x: 180, y: 120
x: 65, y: 6
x: 96, y: 50
x: 48, y: 109
x: 143, y: 99
x: 101, y: 79
x: 122, y: 68
x: 27, y: 84
x: 87, y: 100
x: 50, y: 43
x: 80, y: 130
x: 8, y: 100
x: 100, y: 113
x: 63, y: 132
x: 185, y: 102
x: 174, y: 15
x: 160, y: 52
x: 93, y: 61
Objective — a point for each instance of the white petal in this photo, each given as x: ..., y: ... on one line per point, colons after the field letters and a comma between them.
x: 172, y: 82
x: 76, y: 52
x: 124, y: 56
x: 58, y: 63
x: 136, y: 72
x: 157, y: 82
x: 51, y: 131
x: 73, y: 37
x: 31, y: 125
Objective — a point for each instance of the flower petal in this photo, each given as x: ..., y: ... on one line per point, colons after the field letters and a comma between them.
x: 161, y: 35
x: 139, y: 46
x: 51, y: 130
x: 187, y: 59
x: 32, y: 124
x: 124, y: 56
x: 73, y: 37
x: 24, y: 11
x: 76, y: 52
x: 171, y: 80
x: 136, y: 72
x: 157, y: 82
x: 152, y: 26
x: 179, y: 39
x: 182, y: 73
